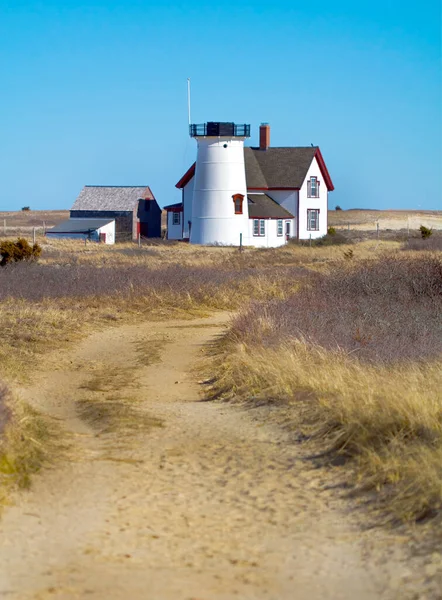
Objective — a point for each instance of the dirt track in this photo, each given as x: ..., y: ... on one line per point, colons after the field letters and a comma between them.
x: 211, y: 505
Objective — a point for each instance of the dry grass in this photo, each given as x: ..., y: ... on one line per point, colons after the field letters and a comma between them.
x: 28, y: 442
x: 388, y: 220
x: 379, y: 409
x: 385, y: 421
x: 22, y: 223
x: 76, y: 289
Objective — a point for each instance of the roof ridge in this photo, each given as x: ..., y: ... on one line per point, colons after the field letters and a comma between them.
x: 279, y: 147
x: 117, y: 186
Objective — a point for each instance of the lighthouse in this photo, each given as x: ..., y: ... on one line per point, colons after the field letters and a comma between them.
x: 219, y: 205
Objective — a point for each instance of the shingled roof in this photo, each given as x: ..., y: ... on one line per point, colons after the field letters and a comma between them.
x: 106, y: 197
x: 276, y: 167
x: 262, y: 206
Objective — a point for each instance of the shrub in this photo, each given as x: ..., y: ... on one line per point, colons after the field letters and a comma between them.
x: 331, y: 239
x: 425, y: 232
x: 26, y: 208
x: 380, y: 311
x: 338, y: 207
x: 331, y: 231
x: 434, y: 244
x: 17, y: 251
x: 36, y: 282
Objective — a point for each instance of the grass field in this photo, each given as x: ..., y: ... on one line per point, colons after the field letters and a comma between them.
x: 346, y: 336
x: 367, y: 220
x: 13, y: 223
x: 23, y: 222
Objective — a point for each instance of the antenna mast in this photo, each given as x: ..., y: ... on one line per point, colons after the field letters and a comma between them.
x: 188, y: 98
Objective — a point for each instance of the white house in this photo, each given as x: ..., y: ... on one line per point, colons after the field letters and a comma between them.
x: 96, y: 230
x: 255, y: 196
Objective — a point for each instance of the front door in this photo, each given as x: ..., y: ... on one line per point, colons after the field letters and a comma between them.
x: 144, y: 230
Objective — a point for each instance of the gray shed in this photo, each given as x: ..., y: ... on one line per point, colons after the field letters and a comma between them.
x: 133, y: 208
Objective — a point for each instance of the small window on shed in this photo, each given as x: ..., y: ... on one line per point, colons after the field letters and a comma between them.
x: 238, y: 200
x: 176, y: 218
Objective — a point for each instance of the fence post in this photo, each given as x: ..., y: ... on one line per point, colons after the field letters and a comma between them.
x: 377, y: 228
x: 348, y: 226
x: 44, y: 227
x: 139, y: 240
x: 4, y: 226
x: 310, y: 241
x: 240, y: 242
x: 33, y: 235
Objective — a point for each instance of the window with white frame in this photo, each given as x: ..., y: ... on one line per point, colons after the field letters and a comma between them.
x: 262, y: 227
x: 259, y: 227
x: 280, y: 227
x: 313, y: 219
x: 313, y: 188
x: 176, y: 218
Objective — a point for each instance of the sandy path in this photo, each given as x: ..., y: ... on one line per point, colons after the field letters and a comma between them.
x: 212, y: 505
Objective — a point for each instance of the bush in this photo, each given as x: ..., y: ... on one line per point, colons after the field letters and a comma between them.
x: 331, y: 239
x: 338, y: 207
x: 380, y: 311
x: 433, y: 244
x: 17, y: 251
x: 26, y: 208
x: 331, y: 231
x: 425, y: 232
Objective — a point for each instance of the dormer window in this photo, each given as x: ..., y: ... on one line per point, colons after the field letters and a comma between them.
x: 313, y: 188
x: 238, y: 200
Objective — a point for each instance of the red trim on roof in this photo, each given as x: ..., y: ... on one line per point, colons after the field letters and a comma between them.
x: 318, y: 155
x: 174, y: 207
x: 186, y: 177
x: 324, y: 170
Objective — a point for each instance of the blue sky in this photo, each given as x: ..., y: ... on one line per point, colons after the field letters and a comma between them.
x: 95, y: 93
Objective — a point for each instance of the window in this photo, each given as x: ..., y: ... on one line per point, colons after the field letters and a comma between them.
x: 313, y: 219
x: 259, y: 227
x: 280, y: 228
x: 176, y: 218
x: 262, y: 227
x: 237, y: 201
x: 313, y: 188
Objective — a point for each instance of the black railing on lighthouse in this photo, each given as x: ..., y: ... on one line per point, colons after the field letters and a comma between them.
x: 217, y: 129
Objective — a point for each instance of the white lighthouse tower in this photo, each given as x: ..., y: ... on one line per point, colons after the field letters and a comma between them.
x: 219, y: 207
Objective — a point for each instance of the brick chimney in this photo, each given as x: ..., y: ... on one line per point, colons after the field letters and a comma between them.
x: 264, y: 136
